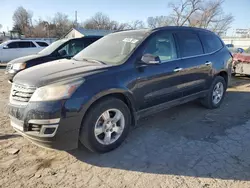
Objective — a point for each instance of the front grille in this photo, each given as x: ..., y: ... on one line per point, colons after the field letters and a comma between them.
x: 9, y: 66
x: 21, y: 93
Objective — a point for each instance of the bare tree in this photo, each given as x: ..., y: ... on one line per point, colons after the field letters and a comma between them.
x: 102, y: 21
x: 61, y: 24
x: 41, y: 29
x: 201, y: 13
x: 183, y: 10
x: 22, y: 20
x: 211, y: 16
x: 137, y: 24
x: 98, y: 21
x: 158, y: 21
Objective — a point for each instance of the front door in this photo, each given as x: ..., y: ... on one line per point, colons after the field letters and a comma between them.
x: 10, y: 52
x: 158, y: 83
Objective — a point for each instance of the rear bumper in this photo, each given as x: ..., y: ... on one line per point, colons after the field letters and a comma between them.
x: 46, y: 124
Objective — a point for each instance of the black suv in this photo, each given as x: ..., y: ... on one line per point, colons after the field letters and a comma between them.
x: 63, y: 48
x: 96, y: 96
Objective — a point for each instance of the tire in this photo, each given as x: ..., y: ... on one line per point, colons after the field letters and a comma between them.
x: 89, y: 125
x: 208, y: 101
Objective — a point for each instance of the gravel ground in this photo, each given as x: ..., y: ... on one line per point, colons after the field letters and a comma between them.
x: 186, y: 146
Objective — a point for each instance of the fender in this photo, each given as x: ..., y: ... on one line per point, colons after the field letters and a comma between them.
x: 126, y: 93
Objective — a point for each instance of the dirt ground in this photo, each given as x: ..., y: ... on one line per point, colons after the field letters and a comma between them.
x: 186, y: 146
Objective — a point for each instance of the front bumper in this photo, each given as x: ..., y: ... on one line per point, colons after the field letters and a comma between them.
x: 10, y: 74
x: 47, y: 124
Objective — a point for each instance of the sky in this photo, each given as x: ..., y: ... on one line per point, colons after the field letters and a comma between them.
x: 119, y: 10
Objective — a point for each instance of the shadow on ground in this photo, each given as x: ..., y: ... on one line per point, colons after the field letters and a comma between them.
x: 186, y: 140
x: 8, y: 136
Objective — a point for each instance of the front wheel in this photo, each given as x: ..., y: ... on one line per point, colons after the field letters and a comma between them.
x: 106, y: 125
x: 215, y: 93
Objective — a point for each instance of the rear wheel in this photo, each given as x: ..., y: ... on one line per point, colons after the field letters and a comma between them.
x: 215, y: 94
x: 106, y: 125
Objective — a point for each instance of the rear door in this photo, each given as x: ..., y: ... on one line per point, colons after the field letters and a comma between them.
x: 212, y: 45
x: 195, y: 67
x: 27, y: 48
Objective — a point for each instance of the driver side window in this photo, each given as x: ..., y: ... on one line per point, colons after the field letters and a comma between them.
x: 163, y: 46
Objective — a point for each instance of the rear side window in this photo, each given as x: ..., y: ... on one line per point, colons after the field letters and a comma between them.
x: 189, y: 44
x: 42, y: 44
x: 26, y: 44
x: 13, y: 45
x: 210, y: 42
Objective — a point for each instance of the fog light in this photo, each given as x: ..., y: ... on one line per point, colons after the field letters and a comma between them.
x: 49, y: 130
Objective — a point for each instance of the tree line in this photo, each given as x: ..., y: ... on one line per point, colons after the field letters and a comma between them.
x: 206, y: 14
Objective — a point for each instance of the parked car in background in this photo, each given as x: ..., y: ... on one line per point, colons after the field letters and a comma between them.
x: 233, y: 49
x: 13, y: 49
x: 97, y: 95
x: 63, y: 48
x: 241, y: 63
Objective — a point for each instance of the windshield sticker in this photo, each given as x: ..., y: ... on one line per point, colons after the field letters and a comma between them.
x: 130, y: 40
x: 134, y: 41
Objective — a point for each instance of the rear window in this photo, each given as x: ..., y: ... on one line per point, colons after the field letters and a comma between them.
x: 42, y: 44
x: 189, y: 44
x: 210, y: 42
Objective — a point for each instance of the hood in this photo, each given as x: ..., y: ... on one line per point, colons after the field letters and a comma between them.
x: 25, y: 58
x: 56, y: 71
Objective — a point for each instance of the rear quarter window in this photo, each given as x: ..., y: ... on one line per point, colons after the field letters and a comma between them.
x: 42, y: 44
x: 189, y: 44
x: 210, y: 42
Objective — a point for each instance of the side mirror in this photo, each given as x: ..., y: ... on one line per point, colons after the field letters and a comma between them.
x: 5, y: 47
x: 150, y: 59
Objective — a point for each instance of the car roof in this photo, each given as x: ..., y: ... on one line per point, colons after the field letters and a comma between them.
x: 25, y: 40
x: 180, y: 28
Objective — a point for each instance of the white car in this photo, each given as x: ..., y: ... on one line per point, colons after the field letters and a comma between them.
x: 13, y: 49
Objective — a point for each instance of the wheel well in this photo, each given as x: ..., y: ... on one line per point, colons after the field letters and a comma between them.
x: 123, y: 98
x: 224, y: 75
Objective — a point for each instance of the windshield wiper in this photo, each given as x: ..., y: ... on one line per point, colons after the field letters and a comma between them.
x: 75, y: 59
x: 93, y: 60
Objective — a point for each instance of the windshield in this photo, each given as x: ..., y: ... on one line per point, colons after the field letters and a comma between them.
x: 114, y: 48
x: 52, y: 47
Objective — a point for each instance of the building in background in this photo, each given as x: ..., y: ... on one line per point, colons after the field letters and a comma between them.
x: 81, y: 32
x: 243, y: 33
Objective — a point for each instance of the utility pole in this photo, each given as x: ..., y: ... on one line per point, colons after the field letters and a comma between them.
x: 76, y: 24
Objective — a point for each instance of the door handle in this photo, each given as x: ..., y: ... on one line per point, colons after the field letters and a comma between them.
x: 208, y: 63
x: 177, y: 69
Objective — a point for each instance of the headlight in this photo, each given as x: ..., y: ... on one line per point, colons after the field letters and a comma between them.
x: 19, y: 66
x: 57, y: 91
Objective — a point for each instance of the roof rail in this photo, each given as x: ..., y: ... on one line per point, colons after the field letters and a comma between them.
x: 123, y: 30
